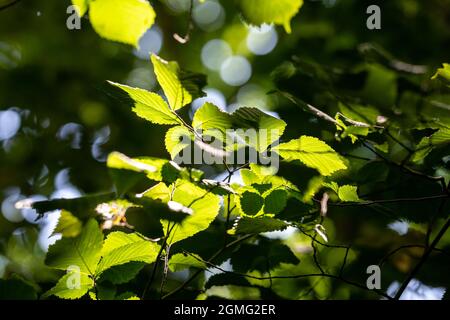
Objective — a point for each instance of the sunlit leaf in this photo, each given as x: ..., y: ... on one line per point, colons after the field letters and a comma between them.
x: 264, y: 128
x: 443, y: 74
x: 68, y: 225
x: 82, y: 251
x: 267, y: 11
x: 178, y: 138
x: 121, y: 20
x: 313, y: 153
x: 348, y: 193
x: 81, y: 6
x: 258, y: 225
x: 167, y: 75
x: 209, y: 117
x: 67, y: 287
x: 149, y: 106
x: 204, y: 204
x: 120, y: 248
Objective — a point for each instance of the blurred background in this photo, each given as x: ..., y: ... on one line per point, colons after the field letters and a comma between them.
x: 58, y: 121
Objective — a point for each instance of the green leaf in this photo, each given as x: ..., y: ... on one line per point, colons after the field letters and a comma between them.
x: 312, y: 152
x: 275, y: 201
x: 167, y: 75
x: 332, y: 185
x: 79, y: 207
x: 65, y: 288
x: 269, y: 129
x: 209, y: 117
x: 68, y: 225
x: 258, y: 225
x: 278, y: 12
x: 427, y: 144
x: 181, y: 261
x: 314, y: 185
x: 121, y: 20
x: 443, y: 74
x: 250, y: 203
x: 348, y: 193
x: 158, y: 192
x: 149, y: 105
x: 81, y: 6
x: 156, y: 169
x: 204, y: 204
x: 122, y: 273
x: 82, y: 251
x: 263, y: 171
x: 249, y: 177
x: 120, y: 248
x: 177, y: 138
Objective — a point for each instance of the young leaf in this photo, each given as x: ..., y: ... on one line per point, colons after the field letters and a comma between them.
x: 167, y: 74
x: 121, y: 20
x: 210, y: 116
x: 204, y: 204
x: 275, y: 201
x: 258, y: 225
x: 63, y: 290
x: 279, y: 12
x: 122, y: 273
x: 348, y: 193
x: 68, y: 225
x: 268, y: 128
x: 250, y: 203
x: 177, y: 138
x: 249, y: 177
x: 312, y: 152
x: 81, y: 6
x: 149, y: 105
x: 443, y: 74
x: 427, y: 144
x: 80, y: 207
x: 120, y: 248
x: 82, y: 251
x: 156, y: 169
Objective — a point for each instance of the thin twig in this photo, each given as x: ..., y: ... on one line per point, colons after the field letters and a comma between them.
x: 189, y: 27
x: 422, y: 261
x: 407, y: 246
x: 8, y: 5
x: 197, y: 273
x: 298, y: 276
x: 372, y: 202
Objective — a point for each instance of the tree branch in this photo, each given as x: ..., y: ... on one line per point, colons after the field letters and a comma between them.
x: 8, y: 5
x: 422, y: 261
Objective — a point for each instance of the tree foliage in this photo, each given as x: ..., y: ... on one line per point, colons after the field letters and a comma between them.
x: 362, y: 136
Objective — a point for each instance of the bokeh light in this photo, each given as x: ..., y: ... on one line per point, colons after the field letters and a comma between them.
x: 209, y: 15
x: 213, y: 96
x: 262, y: 40
x: 236, y: 70
x: 10, y: 122
x: 150, y: 42
x: 214, y: 53
x: 9, y: 210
